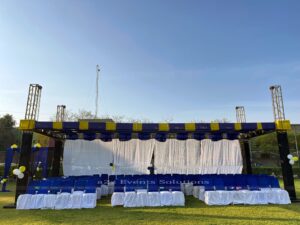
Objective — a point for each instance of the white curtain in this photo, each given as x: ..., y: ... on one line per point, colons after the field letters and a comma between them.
x: 94, y: 157
x: 87, y: 157
x: 198, y: 157
x: 220, y: 157
x: 134, y: 157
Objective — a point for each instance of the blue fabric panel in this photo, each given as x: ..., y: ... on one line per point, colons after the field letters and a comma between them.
x: 268, y: 126
x: 177, y: 127
x: 204, y: 127
x: 162, y: 137
x: 97, y: 126
x: 40, y: 157
x: 125, y: 136
x: 72, y: 136
x: 124, y: 127
x: 144, y: 136
x: 226, y: 126
x: 8, y: 160
x: 150, y: 127
x: 216, y: 137
x: 70, y: 125
x: 89, y: 136
x: 249, y: 126
x: 199, y: 136
x: 232, y: 136
x: 106, y: 137
x: 43, y: 125
x: 182, y: 136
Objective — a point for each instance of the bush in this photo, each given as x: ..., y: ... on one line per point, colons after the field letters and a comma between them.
x: 276, y: 170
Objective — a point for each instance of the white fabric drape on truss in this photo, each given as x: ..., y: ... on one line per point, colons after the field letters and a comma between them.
x: 87, y: 157
x: 134, y: 157
x: 94, y: 157
x: 198, y: 157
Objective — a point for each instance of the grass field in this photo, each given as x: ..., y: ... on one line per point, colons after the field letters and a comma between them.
x: 195, y: 212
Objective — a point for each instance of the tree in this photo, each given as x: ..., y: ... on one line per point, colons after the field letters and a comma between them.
x: 8, y: 133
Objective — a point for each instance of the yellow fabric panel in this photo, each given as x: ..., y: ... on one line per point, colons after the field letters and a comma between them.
x: 259, y: 126
x: 237, y: 126
x: 137, y: 126
x: 190, y: 126
x: 27, y: 125
x: 163, y: 127
x: 283, y: 125
x: 110, y: 126
x: 57, y: 125
x: 214, y: 126
x: 83, y: 125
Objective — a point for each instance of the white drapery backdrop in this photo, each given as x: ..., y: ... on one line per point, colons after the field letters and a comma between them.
x: 94, y: 157
x: 198, y: 157
x: 134, y: 157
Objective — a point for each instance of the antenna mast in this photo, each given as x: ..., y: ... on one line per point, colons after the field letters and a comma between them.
x: 97, y: 90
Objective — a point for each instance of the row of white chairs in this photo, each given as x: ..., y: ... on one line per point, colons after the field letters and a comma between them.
x: 75, y: 200
x: 263, y: 196
x: 142, y: 198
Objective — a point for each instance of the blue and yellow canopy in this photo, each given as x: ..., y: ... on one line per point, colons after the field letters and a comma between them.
x: 125, y: 131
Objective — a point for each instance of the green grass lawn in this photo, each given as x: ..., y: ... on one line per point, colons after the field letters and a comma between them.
x: 195, y: 212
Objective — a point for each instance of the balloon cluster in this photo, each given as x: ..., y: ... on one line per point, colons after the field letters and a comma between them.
x: 3, y: 181
x: 37, y: 145
x: 14, y: 146
x: 19, y: 172
x: 292, y: 159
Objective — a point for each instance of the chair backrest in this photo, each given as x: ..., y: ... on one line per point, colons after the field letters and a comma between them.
x: 91, y: 185
x: 80, y: 184
x: 152, y: 183
x: 104, y: 179
x: 33, y: 187
x: 252, y: 182
x: 218, y: 183
x: 119, y: 185
x: 230, y: 182
x: 55, y: 185
x: 129, y: 183
x: 112, y: 178
x: 67, y: 184
x: 44, y: 186
x: 241, y: 181
x: 274, y: 182
x: 264, y: 181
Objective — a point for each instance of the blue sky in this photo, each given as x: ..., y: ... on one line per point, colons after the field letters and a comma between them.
x: 180, y: 60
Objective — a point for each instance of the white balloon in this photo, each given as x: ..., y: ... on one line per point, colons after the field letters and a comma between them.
x: 289, y: 156
x: 2, y: 182
x: 21, y: 175
x: 292, y: 162
x: 16, y: 172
